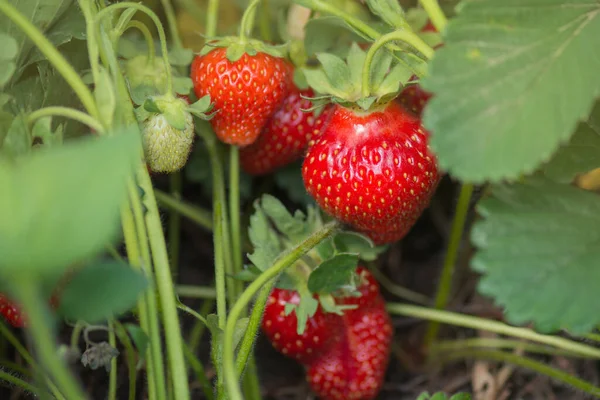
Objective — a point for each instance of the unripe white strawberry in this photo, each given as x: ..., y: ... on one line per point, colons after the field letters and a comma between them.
x: 166, y: 148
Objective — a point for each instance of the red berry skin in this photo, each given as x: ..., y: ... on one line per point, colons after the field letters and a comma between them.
x: 11, y: 312
x: 245, y: 93
x: 373, y: 171
x: 414, y: 99
x: 281, y: 329
x: 286, y: 135
x: 354, y: 366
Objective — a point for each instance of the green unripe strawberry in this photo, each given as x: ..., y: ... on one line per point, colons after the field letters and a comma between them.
x: 166, y: 147
x: 140, y: 72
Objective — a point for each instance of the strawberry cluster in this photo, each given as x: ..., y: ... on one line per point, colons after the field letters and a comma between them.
x: 345, y: 355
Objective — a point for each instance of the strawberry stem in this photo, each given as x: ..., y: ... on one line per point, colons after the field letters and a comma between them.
x: 524, y: 362
x: 472, y: 322
x: 172, y: 23
x: 264, y: 279
x: 247, y: 23
x: 161, y: 33
x: 57, y: 60
x: 147, y: 37
x: 194, y: 213
x: 403, y: 35
x: 435, y: 13
x: 212, y: 14
x: 445, y: 285
x: 66, y: 112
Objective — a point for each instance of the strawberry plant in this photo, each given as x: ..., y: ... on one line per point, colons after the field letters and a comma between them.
x: 390, y: 198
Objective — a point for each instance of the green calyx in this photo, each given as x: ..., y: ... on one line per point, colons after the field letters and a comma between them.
x: 237, y: 47
x: 344, y: 82
x: 174, y: 109
x: 327, y: 271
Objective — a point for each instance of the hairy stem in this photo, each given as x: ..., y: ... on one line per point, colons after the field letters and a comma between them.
x: 445, y: 285
x: 66, y: 112
x: 147, y: 37
x: 196, y: 214
x: 467, y: 321
x: 527, y: 363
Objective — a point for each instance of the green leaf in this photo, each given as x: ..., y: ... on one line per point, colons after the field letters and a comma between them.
x: 306, y: 308
x: 8, y: 52
x: 62, y: 204
x: 100, y: 291
x: 70, y: 25
x: 181, y: 57
x: 337, y: 72
x: 355, y: 60
x: 105, y: 97
x: 182, y: 84
x: 461, y: 396
x: 140, y: 339
x: 42, y: 129
x: 291, y: 226
x: 399, y: 75
x: 264, y: 240
x: 381, y: 65
x: 241, y: 326
x: 6, y: 120
x: 317, y: 79
x: 352, y: 242
x: 389, y: 11
x: 581, y: 154
x: 41, y: 13
x: 328, y: 34
x: 141, y: 93
x: 201, y: 107
x: 333, y: 274
x: 539, y: 246
x: 17, y: 140
x: 526, y: 89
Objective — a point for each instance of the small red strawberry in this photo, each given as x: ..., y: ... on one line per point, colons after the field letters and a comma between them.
x: 11, y: 312
x: 281, y: 329
x: 372, y: 170
x: 245, y: 92
x: 354, y: 365
x: 286, y: 135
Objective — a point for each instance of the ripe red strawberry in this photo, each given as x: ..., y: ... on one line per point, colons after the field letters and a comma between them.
x: 286, y: 135
x: 372, y: 170
x: 353, y: 367
x: 11, y: 312
x: 245, y: 93
x: 281, y: 329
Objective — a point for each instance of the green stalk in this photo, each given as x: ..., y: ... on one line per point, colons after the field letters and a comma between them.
x: 198, y: 330
x: 42, y: 336
x: 445, y: 285
x: 247, y: 23
x: 283, y: 262
x: 66, y: 112
x: 196, y: 366
x: 405, y: 36
x: 496, y: 343
x: 172, y: 22
x: 196, y: 292
x: 53, y: 55
x: 175, y: 223
x: 27, y: 387
x: 397, y: 290
x: 161, y: 33
x: 147, y: 37
x: 530, y: 364
x: 112, y: 378
x: 212, y: 15
x: 133, y: 254
x: 435, y: 13
x: 131, y: 358
x: 166, y: 291
x: 265, y: 22
x: 234, y: 211
x: 467, y: 321
x: 196, y: 214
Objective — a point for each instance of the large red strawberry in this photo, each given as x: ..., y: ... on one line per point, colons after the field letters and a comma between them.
x: 281, y: 329
x: 245, y: 92
x: 372, y: 170
x: 286, y: 136
x: 354, y: 365
x: 11, y: 312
